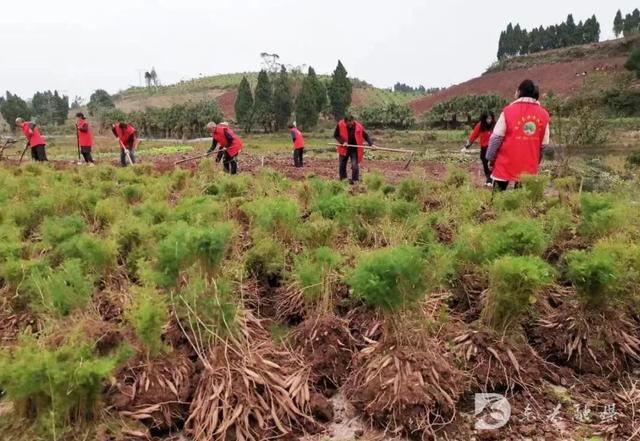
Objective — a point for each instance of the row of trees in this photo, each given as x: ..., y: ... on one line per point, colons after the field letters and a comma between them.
x: 463, y: 110
x: 272, y: 103
x: 47, y: 108
x: 628, y: 25
x: 401, y: 87
x: 518, y: 41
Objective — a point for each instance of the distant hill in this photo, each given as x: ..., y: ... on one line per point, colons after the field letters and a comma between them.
x: 563, y: 71
x: 223, y: 88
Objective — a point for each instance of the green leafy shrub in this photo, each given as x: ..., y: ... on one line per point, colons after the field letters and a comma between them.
x: 312, y: 274
x: 62, y: 384
x: 374, y: 181
x: 133, y: 193
x: 148, y: 315
x: 107, y: 211
x: 58, y: 229
x: 210, y: 246
x: 335, y: 207
x: 28, y: 216
x: 66, y: 289
x: 456, y: 177
x: 10, y: 242
x: 275, y: 215
x: 513, y: 200
x: 20, y: 275
x: 411, y: 189
x: 198, y: 211
x: 558, y: 221
x: 390, y: 278
x: 266, y: 258
x: 370, y: 207
x: 232, y: 186
x: 512, y: 235
x: 317, y: 231
x: 514, y: 282
x: 152, y: 211
x: 602, y: 214
x: 534, y: 186
x: 401, y: 210
x: 388, y: 189
x: 97, y: 255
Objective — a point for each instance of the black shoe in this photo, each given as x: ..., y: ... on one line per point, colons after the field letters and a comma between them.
x: 351, y: 182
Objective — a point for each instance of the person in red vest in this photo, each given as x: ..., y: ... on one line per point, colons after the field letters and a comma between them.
x: 34, y: 138
x: 519, y: 137
x: 126, y: 135
x: 298, y: 146
x: 85, y: 137
x: 350, y: 132
x: 482, y: 131
x: 230, y: 145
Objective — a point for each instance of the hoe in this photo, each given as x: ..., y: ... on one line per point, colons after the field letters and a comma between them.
x: 385, y: 149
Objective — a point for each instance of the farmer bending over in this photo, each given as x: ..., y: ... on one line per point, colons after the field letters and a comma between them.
x: 85, y: 138
x: 230, y: 145
x: 519, y: 137
x: 126, y: 135
x: 350, y: 133
x: 298, y: 146
x: 34, y: 139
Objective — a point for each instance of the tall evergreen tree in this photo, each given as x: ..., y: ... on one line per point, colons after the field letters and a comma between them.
x: 319, y: 90
x: 263, y: 103
x: 282, y: 99
x: 13, y: 107
x: 307, y: 104
x: 244, y: 105
x: 340, y: 90
x: 501, y: 49
x: 99, y: 100
x: 618, y: 23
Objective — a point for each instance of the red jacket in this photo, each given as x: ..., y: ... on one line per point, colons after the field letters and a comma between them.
x: 483, y: 135
x: 127, y: 136
x: 298, y: 142
x: 526, y: 124
x: 32, y: 134
x: 84, y: 133
x: 218, y: 136
x: 344, y: 134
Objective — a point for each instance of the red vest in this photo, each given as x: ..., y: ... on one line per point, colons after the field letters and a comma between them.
x: 478, y: 133
x: 85, y: 138
x: 344, y: 134
x: 521, y: 149
x: 299, y: 142
x: 125, y: 136
x: 33, y: 136
x: 236, y: 145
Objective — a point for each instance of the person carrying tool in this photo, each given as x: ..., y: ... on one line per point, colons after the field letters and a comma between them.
x: 298, y: 146
x: 230, y: 146
x: 34, y: 139
x: 483, y: 130
x: 85, y: 138
x: 351, y: 136
x: 126, y: 135
x: 519, y: 138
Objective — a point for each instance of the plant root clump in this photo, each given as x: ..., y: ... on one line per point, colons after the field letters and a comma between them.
x: 327, y: 345
x: 407, y: 390
x: 253, y: 392
x: 156, y: 393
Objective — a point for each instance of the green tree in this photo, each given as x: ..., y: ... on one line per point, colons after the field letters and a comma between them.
x: 49, y: 107
x: 282, y: 99
x: 98, y: 101
x: 340, y: 90
x: 263, y: 105
x: 319, y: 90
x: 306, y: 105
x: 244, y: 105
x: 618, y: 23
x: 14, y: 107
x: 633, y: 63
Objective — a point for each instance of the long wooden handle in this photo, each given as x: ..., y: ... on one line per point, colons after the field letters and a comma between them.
x: 193, y: 158
x: 384, y: 149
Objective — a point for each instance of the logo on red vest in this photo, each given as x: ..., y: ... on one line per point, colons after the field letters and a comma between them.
x: 529, y: 125
x: 530, y: 128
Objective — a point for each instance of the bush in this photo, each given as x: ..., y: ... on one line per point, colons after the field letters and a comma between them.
x: 317, y: 231
x: 277, y: 215
x: 335, y: 207
x: 374, y: 181
x: 58, y: 229
x: 210, y: 246
x: 97, y: 255
x: 198, y: 211
x: 513, y: 284
x: 390, y: 278
x: 148, y: 316
x: 513, y: 200
x: 602, y: 214
x: 633, y: 62
x: 456, y: 177
x: 510, y: 236
x: 132, y: 193
x: 534, y: 186
x: 266, y: 258
x: 10, y: 242
x: 370, y: 207
x: 401, y: 210
x: 387, y: 116
x: 312, y: 274
x: 28, y: 216
x: 107, y: 211
x: 66, y: 289
x: 558, y: 221
x: 411, y: 189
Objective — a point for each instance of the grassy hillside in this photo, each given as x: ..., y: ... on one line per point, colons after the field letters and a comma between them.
x: 223, y: 89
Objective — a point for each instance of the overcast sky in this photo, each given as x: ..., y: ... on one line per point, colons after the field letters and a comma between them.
x: 79, y: 46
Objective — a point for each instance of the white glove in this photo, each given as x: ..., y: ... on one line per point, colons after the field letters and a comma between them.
x: 463, y: 150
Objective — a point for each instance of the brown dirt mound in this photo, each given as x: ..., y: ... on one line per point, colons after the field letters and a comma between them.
x: 252, y: 392
x: 602, y: 344
x: 157, y: 393
x: 365, y: 326
x: 467, y: 297
x: 327, y: 345
x: 407, y: 390
x: 558, y: 77
x: 13, y: 324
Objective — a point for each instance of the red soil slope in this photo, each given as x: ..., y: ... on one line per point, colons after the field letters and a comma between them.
x: 564, y: 78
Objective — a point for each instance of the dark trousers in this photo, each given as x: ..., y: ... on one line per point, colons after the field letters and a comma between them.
x: 485, y: 163
x: 230, y: 163
x: 352, y: 155
x: 39, y: 153
x: 298, y: 160
x: 86, y: 154
x: 123, y: 156
x: 500, y: 185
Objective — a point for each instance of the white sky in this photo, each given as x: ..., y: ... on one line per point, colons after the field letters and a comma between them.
x: 79, y: 46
